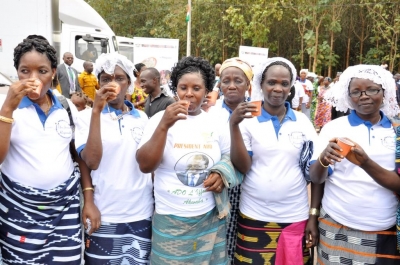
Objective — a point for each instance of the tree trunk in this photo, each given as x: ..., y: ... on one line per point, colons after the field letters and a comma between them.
x: 330, y: 56
x: 362, y: 44
x: 348, y: 52
x: 316, y: 49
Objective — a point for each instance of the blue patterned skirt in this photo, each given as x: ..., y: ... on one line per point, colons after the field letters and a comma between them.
x: 40, y: 226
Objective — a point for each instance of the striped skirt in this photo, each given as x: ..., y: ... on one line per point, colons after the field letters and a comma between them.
x: 199, y: 240
x: 122, y: 243
x: 40, y: 226
x: 342, y: 245
x: 231, y: 233
x: 261, y: 242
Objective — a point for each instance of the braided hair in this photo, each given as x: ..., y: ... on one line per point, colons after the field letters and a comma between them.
x: 193, y: 65
x: 273, y: 64
x: 39, y: 44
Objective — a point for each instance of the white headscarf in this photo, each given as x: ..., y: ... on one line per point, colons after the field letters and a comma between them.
x: 338, y: 95
x: 258, y: 71
x: 107, y: 62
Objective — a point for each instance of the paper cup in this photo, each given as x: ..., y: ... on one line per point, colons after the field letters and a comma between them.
x: 35, y: 94
x: 185, y: 103
x: 258, y: 112
x: 345, y: 145
x: 116, y: 86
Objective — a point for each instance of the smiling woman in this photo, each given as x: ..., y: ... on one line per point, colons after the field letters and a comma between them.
x: 359, y: 201
x: 181, y: 144
x: 273, y: 213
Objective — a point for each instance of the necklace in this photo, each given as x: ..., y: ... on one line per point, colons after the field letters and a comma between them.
x: 48, y: 105
x: 115, y: 117
x: 280, y: 120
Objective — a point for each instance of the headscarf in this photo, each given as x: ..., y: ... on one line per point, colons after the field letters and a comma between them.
x: 238, y: 63
x: 339, y: 97
x: 258, y: 71
x: 107, y: 62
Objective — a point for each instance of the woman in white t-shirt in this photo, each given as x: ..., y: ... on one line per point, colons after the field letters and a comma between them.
x: 358, y: 219
x: 39, y: 187
x: 117, y: 188
x: 180, y: 145
x: 274, y: 202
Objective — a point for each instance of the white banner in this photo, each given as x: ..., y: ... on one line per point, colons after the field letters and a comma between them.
x: 161, y: 54
x: 253, y: 55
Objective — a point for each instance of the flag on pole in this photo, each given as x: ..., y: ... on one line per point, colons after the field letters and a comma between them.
x: 188, y: 14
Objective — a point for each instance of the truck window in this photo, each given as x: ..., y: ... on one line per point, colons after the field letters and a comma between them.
x: 127, y: 51
x: 88, y: 51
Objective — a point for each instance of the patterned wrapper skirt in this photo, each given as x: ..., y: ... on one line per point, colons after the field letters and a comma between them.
x: 40, y: 226
x: 231, y: 233
x: 261, y: 242
x: 199, y: 240
x: 342, y: 245
x: 119, y: 243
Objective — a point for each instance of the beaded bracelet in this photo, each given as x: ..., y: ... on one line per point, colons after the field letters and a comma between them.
x: 319, y: 158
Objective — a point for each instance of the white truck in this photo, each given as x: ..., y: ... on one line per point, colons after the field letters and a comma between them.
x: 125, y: 47
x: 69, y: 25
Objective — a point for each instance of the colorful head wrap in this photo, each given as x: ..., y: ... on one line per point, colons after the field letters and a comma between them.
x: 339, y: 97
x: 107, y: 62
x: 238, y: 63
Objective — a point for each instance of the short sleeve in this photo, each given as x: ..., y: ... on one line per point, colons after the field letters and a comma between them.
x: 299, y: 90
x: 82, y: 129
x: 151, y: 127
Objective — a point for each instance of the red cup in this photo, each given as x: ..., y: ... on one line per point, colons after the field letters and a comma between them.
x: 35, y: 94
x: 258, y: 111
x: 345, y: 145
x: 116, y: 86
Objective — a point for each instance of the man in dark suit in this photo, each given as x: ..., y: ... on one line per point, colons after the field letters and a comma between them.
x: 196, y: 171
x: 68, y: 76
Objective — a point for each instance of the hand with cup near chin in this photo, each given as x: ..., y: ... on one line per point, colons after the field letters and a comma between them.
x: 245, y: 110
x: 17, y: 91
x: 105, y: 94
x: 174, y: 112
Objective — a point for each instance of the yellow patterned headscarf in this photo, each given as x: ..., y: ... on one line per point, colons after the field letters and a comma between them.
x: 238, y: 63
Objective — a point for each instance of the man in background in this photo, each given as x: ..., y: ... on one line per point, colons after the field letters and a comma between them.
x: 88, y: 81
x: 158, y: 98
x: 67, y: 76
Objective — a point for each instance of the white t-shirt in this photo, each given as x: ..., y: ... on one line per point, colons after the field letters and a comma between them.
x: 193, y: 146
x: 351, y: 196
x: 307, y: 86
x: 39, y: 154
x: 298, y: 94
x: 123, y: 193
x: 274, y: 190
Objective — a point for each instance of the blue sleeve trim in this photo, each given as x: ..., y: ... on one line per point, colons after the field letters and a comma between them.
x: 250, y: 153
x: 79, y: 149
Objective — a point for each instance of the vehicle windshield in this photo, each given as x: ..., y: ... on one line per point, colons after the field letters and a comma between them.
x: 88, y: 51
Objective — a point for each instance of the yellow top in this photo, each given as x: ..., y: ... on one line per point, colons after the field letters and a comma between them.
x: 89, y: 84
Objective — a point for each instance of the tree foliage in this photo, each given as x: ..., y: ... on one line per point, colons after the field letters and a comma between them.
x: 323, y: 35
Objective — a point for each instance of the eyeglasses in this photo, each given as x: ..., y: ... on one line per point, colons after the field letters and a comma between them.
x: 368, y: 92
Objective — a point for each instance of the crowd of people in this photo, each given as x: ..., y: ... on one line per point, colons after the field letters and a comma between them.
x: 108, y: 162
